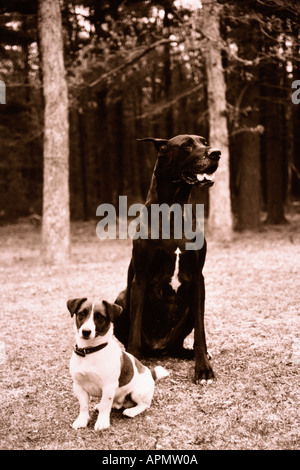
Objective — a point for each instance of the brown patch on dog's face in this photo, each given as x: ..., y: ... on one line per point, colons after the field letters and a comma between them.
x: 82, y: 314
x: 101, y: 319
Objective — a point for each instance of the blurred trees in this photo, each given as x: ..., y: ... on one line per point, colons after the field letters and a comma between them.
x: 137, y: 69
x: 263, y: 39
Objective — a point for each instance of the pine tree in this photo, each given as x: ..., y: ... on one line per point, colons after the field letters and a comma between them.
x: 56, y: 217
x: 220, y: 215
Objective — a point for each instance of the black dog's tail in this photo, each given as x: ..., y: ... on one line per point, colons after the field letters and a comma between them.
x: 159, y: 372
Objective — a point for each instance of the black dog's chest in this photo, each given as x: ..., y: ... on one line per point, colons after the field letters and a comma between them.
x: 167, y: 297
x: 170, y: 270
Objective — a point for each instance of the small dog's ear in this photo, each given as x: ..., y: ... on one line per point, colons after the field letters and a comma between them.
x: 158, y: 143
x: 74, y: 304
x: 113, y: 310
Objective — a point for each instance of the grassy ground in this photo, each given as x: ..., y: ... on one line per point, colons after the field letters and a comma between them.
x: 252, y: 305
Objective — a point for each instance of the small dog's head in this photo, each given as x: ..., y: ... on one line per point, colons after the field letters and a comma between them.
x: 92, y: 319
x: 186, y: 158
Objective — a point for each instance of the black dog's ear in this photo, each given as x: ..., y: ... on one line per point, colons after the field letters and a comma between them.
x: 113, y: 310
x: 158, y: 143
x: 74, y: 304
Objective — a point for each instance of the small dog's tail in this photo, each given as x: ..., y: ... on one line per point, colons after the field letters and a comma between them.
x: 159, y: 372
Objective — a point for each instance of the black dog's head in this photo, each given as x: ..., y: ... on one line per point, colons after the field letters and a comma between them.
x: 186, y: 158
x: 92, y: 319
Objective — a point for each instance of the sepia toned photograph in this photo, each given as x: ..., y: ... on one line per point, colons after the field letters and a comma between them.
x: 149, y: 227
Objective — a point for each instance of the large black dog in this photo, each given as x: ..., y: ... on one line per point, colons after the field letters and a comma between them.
x: 164, y: 299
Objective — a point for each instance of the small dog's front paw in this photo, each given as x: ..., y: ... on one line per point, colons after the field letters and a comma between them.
x: 129, y: 412
x: 117, y: 405
x: 81, y: 422
x: 102, y: 423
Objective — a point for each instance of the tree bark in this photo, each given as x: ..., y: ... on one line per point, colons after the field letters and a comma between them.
x: 249, y: 169
x: 81, y: 128
x: 56, y: 212
x: 249, y: 138
x: 274, y: 165
x: 220, y: 214
x: 275, y: 158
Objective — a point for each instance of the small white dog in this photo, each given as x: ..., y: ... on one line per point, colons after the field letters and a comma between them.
x: 99, y: 367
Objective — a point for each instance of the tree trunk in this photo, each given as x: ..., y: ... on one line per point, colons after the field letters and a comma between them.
x: 274, y: 165
x: 275, y: 158
x: 81, y: 129
x: 249, y: 170
x: 249, y: 139
x: 56, y: 212
x: 131, y: 174
x: 167, y: 77
x: 220, y: 214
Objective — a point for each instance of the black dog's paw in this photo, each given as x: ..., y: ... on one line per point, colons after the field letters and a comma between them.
x: 204, y: 374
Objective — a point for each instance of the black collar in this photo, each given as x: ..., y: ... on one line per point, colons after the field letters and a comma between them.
x: 84, y: 351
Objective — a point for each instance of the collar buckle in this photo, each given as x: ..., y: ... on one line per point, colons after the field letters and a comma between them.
x: 80, y: 351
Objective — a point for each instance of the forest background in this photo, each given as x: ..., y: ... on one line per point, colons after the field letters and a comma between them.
x: 136, y: 69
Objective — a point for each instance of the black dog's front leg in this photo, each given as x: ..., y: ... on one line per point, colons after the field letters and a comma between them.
x: 142, y: 256
x: 136, y: 310
x: 203, y: 369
